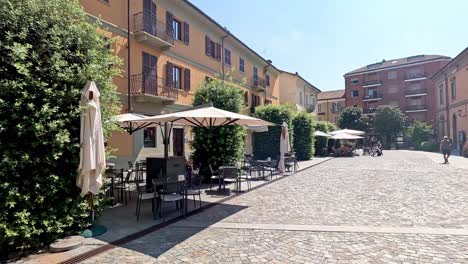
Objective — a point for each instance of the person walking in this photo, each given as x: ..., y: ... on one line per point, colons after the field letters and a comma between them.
x: 446, y: 148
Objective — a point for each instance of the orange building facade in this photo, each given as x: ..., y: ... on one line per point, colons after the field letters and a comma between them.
x: 172, y: 48
x: 451, y: 84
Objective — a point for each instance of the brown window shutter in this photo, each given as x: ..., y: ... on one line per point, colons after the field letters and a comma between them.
x: 246, y: 98
x: 169, y: 27
x: 169, y: 76
x: 218, y: 51
x: 186, y: 33
x: 207, y: 46
x: 187, y: 79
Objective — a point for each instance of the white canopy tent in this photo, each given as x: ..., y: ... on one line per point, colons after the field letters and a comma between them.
x: 345, y: 136
x: 321, y: 134
x: 201, y: 116
x: 348, y: 131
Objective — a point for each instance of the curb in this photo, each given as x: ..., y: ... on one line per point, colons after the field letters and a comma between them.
x: 146, y: 231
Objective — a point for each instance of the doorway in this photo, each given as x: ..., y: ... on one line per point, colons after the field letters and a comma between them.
x: 178, y: 141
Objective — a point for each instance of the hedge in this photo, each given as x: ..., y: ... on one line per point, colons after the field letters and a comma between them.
x: 267, y: 144
x: 218, y: 146
x: 303, y: 125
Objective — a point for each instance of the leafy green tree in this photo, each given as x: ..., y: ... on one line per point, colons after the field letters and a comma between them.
x: 352, y: 117
x: 419, y: 132
x: 388, y: 122
x: 48, y: 50
x: 303, y: 125
x: 267, y: 144
x: 224, y: 145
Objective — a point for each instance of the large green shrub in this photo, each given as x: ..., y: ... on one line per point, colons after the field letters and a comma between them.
x: 419, y: 132
x: 428, y: 146
x: 267, y: 144
x: 48, y: 51
x: 303, y: 125
x: 218, y: 146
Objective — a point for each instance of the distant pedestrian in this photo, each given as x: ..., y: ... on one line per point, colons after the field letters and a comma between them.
x: 446, y: 148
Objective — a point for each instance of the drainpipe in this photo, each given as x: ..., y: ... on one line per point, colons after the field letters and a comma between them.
x: 447, y: 105
x: 222, y: 51
x: 128, y: 56
x: 264, y: 73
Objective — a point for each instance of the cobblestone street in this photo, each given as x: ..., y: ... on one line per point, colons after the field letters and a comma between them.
x: 401, y: 208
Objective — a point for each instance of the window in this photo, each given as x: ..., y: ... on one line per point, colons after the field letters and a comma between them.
x: 212, y: 49
x: 267, y: 80
x: 335, y: 107
x: 372, y: 93
x: 453, y: 88
x: 306, y: 100
x: 227, y: 56
x: 392, y: 75
x: 354, y: 93
x: 354, y: 81
x: 441, y: 94
x: 177, y: 29
x: 241, y: 65
x: 300, y: 98
x: 177, y: 77
x: 336, y: 119
x: 149, y: 137
x: 319, y: 107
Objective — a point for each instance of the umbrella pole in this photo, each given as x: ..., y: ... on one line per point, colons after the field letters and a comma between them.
x: 91, y: 205
x: 166, y: 149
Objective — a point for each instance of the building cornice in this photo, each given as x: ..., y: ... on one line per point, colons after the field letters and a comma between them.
x: 396, y: 67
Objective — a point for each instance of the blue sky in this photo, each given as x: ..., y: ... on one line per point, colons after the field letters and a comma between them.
x: 324, y: 39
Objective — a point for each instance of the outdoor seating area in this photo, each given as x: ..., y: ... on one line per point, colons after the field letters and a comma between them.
x: 144, y: 209
x: 125, y: 185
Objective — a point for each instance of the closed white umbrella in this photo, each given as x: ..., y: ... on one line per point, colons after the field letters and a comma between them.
x: 345, y: 136
x: 348, y: 131
x: 285, y: 146
x: 92, y: 151
x: 321, y: 134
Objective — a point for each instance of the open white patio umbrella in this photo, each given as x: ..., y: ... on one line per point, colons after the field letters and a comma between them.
x: 285, y: 146
x: 201, y: 116
x: 127, y: 121
x: 348, y: 131
x: 321, y: 134
x: 92, y: 151
x: 345, y: 136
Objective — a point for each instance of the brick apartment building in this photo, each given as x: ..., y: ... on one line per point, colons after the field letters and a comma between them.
x: 403, y: 82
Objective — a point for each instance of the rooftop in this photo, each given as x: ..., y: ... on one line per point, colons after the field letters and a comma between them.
x: 397, y: 62
x: 327, y: 95
x: 299, y: 76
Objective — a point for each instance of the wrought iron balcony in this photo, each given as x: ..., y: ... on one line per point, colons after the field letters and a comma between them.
x: 145, y: 84
x: 259, y: 82
x: 415, y: 92
x: 415, y: 108
x: 149, y: 30
x: 371, y: 83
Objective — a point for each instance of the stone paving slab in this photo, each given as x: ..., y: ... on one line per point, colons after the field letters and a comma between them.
x: 217, y: 245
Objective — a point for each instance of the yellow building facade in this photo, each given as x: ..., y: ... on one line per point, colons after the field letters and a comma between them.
x: 451, y: 84
x: 172, y: 48
x: 330, y: 105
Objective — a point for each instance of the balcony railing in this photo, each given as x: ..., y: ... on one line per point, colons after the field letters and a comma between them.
x: 415, y: 107
x: 259, y: 82
x: 146, y: 22
x: 369, y: 110
x: 371, y: 82
x: 373, y: 96
x: 417, y: 75
x: 152, y: 85
x: 416, y: 91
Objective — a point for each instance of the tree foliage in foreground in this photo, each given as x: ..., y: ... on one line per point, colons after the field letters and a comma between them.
x: 48, y: 50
